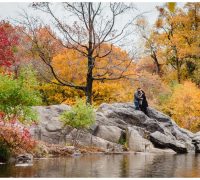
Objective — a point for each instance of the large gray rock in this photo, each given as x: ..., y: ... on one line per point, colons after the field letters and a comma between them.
x: 124, y: 115
x: 136, y: 142
x: 112, y: 120
x: 196, y: 141
x: 50, y: 128
x: 109, y: 133
x: 24, y: 159
x: 162, y: 141
x: 85, y: 138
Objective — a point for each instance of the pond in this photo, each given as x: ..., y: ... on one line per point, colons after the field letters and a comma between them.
x: 118, y: 165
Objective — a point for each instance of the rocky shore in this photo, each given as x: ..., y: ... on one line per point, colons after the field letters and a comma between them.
x: 118, y: 128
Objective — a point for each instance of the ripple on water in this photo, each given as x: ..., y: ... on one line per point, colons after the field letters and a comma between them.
x: 119, y: 165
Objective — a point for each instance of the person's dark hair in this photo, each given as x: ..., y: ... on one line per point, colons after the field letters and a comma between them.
x: 139, y: 88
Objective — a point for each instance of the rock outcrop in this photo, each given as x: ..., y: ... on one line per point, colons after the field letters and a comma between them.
x: 24, y: 160
x: 118, y: 125
x: 136, y: 142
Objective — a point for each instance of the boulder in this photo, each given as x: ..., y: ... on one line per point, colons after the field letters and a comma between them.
x: 124, y: 115
x: 109, y: 133
x: 196, y: 138
x: 159, y: 116
x: 87, y: 139
x: 50, y: 129
x: 162, y: 141
x: 196, y: 142
x: 24, y: 159
x: 136, y: 142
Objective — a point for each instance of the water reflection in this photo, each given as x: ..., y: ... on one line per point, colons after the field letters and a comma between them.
x: 128, y: 165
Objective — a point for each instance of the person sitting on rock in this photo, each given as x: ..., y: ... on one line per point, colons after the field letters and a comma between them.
x: 138, y: 98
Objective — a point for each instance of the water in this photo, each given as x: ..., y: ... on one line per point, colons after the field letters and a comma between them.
x: 99, y: 165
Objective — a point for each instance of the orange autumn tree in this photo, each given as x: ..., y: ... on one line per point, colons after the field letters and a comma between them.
x: 152, y: 48
x: 87, y: 36
x: 184, y: 105
x: 177, y: 32
x: 69, y: 61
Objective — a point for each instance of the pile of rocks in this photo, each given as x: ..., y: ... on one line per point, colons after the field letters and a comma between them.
x: 117, y: 126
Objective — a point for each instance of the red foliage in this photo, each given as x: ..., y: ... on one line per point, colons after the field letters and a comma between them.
x: 16, y: 136
x: 8, y: 41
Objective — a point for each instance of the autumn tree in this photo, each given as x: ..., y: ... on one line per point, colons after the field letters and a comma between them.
x: 190, y: 34
x: 183, y: 105
x: 14, y: 47
x: 87, y: 28
x: 103, y: 91
x: 177, y: 33
x: 151, y: 47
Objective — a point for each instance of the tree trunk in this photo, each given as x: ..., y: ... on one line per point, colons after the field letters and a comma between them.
x: 89, y: 83
x: 178, y: 66
x: 155, y: 59
x: 90, y: 59
x: 178, y: 71
x: 158, y: 70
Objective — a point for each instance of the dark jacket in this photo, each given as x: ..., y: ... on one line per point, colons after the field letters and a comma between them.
x: 144, y: 101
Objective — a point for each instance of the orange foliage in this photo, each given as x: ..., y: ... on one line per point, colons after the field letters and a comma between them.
x: 184, y: 105
x: 72, y: 67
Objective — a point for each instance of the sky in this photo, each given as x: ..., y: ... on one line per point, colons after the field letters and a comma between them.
x: 10, y: 11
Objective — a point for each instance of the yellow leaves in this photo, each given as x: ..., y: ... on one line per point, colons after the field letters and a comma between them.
x: 171, y: 6
x: 54, y: 94
x: 112, y: 65
x: 112, y: 91
x: 159, y: 23
x: 70, y: 66
x: 179, y: 30
x: 184, y: 105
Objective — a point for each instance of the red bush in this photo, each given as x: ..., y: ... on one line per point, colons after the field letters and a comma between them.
x: 16, y: 136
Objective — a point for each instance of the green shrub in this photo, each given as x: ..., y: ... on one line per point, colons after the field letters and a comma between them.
x: 18, y: 95
x: 122, y: 139
x: 81, y: 116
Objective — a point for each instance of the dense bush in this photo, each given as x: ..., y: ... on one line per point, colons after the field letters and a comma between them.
x: 183, y: 105
x: 54, y: 94
x: 15, y: 138
x: 18, y: 95
x: 81, y: 116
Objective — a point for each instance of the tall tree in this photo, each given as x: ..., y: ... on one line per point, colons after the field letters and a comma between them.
x: 151, y: 46
x: 191, y: 36
x: 86, y: 29
x: 178, y: 34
